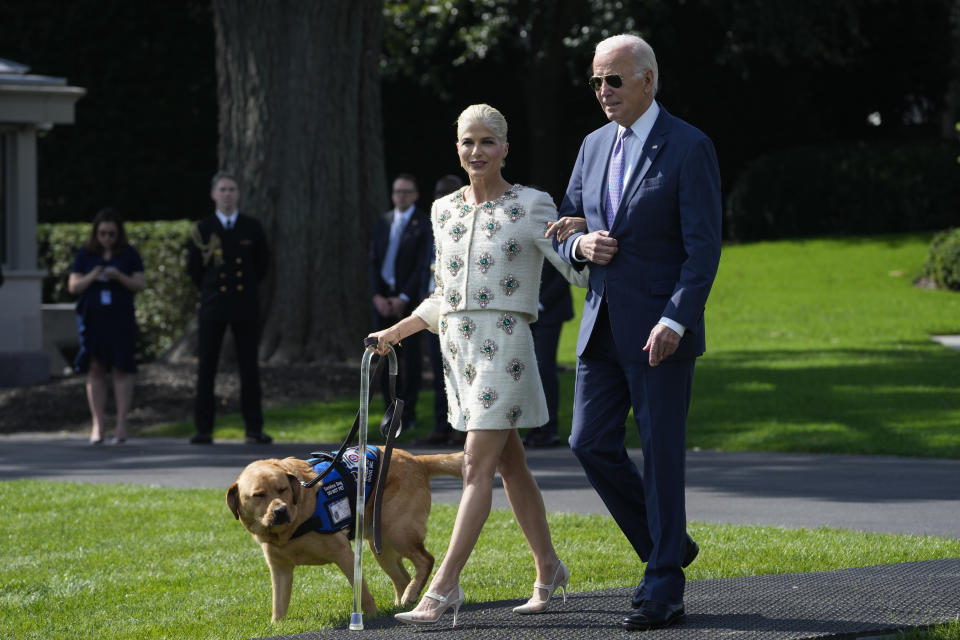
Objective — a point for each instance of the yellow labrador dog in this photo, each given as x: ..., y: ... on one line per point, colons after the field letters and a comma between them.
x: 271, y: 503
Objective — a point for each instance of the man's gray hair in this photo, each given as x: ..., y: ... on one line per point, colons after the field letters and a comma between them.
x: 642, y: 54
x: 220, y: 175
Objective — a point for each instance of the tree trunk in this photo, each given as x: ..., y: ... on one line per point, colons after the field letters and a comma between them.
x: 300, y: 124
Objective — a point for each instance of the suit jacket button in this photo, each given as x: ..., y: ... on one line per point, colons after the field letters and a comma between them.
x: 239, y: 287
x: 239, y: 261
x: 239, y: 274
x: 223, y: 288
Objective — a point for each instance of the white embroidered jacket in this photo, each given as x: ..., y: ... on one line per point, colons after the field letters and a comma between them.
x: 489, y: 256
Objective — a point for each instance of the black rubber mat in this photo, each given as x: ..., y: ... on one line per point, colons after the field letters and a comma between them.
x: 834, y: 604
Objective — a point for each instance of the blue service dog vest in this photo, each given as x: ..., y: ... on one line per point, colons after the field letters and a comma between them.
x: 338, y: 491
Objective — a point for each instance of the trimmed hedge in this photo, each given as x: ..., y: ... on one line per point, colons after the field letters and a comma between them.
x: 943, y: 263
x: 863, y: 188
x: 168, y: 303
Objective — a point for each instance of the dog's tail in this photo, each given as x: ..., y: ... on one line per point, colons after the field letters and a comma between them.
x: 443, y: 464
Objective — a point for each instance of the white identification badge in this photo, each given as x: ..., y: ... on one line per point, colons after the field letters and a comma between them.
x: 339, y: 510
x: 105, y: 298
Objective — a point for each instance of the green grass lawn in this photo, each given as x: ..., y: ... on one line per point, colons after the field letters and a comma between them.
x: 127, y: 562
x: 820, y: 345
x: 813, y: 345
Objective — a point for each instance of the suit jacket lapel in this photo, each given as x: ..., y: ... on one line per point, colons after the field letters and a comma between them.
x: 651, y: 148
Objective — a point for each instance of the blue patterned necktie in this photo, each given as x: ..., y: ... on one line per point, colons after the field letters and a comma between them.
x: 387, y: 269
x: 615, y: 177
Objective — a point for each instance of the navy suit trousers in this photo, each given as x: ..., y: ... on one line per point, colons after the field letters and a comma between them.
x: 649, y: 508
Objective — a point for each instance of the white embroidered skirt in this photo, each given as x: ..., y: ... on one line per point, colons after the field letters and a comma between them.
x: 490, y: 371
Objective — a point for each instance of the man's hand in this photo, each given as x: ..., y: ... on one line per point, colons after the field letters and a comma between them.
x: 397, y: 306
x: 662, y: 342
x: 382, y: 305
x: 597, y: 247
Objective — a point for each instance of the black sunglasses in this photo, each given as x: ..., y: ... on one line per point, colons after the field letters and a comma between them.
x: 615, y: 80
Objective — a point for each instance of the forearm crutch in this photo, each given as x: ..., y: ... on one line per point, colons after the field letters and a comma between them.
x: 356, y: 618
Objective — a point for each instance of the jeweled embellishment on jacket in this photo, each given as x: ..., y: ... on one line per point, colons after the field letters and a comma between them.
x: 454, y: 299
x: 454, y: 264
x: 513, y: 414
x: 470, y: 373
x: 442, y: 220
x: 512, y: 248
x: 467, y: 327
x: 515, y: 368
x: 466, y: 417
x: 487, y: 397
x: 483, y: 296
x: 509, y: 284
x: 443, y: 327
x: 452, y: 348
x: 457, y: 231
x: 438, y: 281
x: 445, y: 365
x: 491, y: 226
x: 515, y: 212
x: 507, y: 322
x: 484, y: 262
x: 489, y: 348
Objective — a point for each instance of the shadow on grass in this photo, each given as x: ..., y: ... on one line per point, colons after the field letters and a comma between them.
x: 900, y: 401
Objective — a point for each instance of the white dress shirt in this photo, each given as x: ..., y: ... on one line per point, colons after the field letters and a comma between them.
x: 228, y: 221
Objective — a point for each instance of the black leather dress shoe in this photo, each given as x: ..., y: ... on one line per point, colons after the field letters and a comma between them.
x: 691, y: 554
x: 640, y: 593
x: 201, y: 438
x: 260, y: 438
x: 653, y: 615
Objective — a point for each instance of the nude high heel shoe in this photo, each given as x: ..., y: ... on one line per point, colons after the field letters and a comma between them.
x: 560, y: 578
x: 453, y: 599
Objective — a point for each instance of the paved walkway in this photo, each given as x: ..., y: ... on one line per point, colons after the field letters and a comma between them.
x: 850, y: 603
x: 868, y: 493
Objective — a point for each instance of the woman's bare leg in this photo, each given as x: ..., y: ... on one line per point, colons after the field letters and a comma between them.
x: 481, y: 457
x: 97, y: 398
x: 526, y: 501
x: 123, y: 395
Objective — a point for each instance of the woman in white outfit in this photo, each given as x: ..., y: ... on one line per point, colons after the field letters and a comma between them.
x: 490, y: 241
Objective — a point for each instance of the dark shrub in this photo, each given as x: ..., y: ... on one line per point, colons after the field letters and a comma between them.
x: 846, y: 189
x: 943, y: 263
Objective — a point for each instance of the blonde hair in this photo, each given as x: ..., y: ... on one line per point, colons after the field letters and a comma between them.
x: 643, y: 55
x: 486, y: 115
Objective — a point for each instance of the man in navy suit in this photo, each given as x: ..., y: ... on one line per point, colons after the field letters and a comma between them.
x: 649, y: 187
x: 397, y: 267
x: 555, y: 307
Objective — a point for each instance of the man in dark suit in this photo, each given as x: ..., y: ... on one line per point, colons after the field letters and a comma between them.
x: 397, y: 264
x: 556, y: 307
x: 648, y: 185
x: 227, y: 259
x: 443, y: 434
